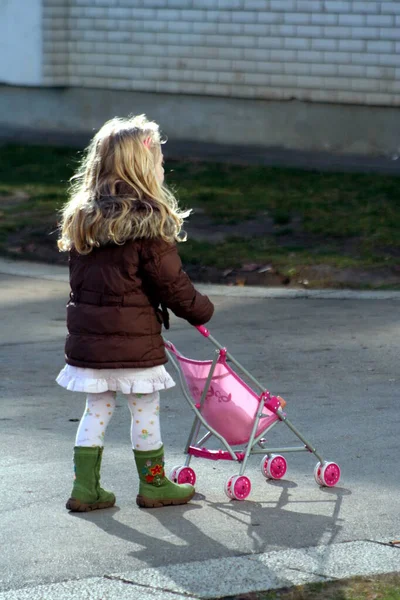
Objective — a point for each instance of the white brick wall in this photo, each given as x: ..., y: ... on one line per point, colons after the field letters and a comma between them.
x: 321, y: 50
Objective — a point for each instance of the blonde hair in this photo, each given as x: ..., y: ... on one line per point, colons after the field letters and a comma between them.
x: 115, y: 194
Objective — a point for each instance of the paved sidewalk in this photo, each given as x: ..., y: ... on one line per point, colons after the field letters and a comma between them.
x: 60, y: 273
x: 332, y: 355
x: 227, y: 576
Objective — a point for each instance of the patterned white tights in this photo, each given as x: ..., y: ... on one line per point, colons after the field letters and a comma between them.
x: 145, y: 423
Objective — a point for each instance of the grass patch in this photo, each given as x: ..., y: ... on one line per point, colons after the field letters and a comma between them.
x: 380, y: 587
x: 345, y: 219
x: 331, y: 204
x: 33, y: 183
x: 316, y: 218
x: 236, y: 251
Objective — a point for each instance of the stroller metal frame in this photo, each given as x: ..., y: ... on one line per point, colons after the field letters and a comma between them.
x: 256, y: 444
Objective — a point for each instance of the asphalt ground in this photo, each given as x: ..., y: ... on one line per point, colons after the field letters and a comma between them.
x: 332, y: 356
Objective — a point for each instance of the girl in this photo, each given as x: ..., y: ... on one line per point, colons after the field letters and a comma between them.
x: 120, y: 227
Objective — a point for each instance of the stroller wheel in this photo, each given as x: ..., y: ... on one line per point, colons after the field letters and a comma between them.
x: 238, y: 487
x: 327, y: 474
x: 317, y: 474
x: 183, y: 475
x: 273, y: 466
x: 172, y: 473
x: 229, y: 488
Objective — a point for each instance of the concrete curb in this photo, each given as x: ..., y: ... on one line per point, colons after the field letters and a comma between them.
x: 224, y: 153
x: 218, y: 578
x: 60, y: 273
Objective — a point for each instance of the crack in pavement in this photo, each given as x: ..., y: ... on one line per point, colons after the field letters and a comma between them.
x: 149, y: 587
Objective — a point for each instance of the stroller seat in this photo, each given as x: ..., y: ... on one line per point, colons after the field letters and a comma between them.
x: 230, y: 405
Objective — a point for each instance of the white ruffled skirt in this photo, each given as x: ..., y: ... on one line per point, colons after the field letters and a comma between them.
x: 127, y: 381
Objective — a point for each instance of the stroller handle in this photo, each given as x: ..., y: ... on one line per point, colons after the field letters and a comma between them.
x: 203, y: 330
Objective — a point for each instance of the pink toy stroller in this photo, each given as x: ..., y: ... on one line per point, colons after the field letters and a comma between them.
x: 236, y: 415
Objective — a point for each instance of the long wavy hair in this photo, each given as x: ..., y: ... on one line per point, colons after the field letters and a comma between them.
x: 115, y: 194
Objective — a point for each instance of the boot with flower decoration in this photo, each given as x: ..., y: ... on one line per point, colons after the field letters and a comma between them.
x: 155, y: 489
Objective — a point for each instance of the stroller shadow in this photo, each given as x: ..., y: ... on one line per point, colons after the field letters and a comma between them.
x: 275, y: 524
x: 269, y: 525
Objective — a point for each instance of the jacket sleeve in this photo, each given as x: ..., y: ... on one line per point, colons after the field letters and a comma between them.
x: 167, y: 282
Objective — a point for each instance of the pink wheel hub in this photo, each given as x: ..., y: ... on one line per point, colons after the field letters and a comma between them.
x: 241, y: 488
x: 185, y: 475
x: 327, y: 474
x: 273, y: 466
x: 330, y: 474
x: 238, y: 487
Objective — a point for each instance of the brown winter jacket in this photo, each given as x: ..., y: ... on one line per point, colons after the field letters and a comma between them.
x: 113, y: 316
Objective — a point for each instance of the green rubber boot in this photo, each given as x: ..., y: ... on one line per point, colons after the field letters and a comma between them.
x: 155, y: 489
x: 103, y: 494
x: 87, y: 494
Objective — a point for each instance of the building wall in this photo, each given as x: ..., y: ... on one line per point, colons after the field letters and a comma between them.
x: 337, y: 51
x: 21, y: 42
x: 67, y: 112
x: 295, y: 74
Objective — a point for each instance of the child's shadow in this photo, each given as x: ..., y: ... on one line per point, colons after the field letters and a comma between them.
x: 245, y: 527
x: 157, y: 550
